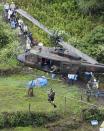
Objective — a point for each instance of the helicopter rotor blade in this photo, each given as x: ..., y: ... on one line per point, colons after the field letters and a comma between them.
x: 33, y: 20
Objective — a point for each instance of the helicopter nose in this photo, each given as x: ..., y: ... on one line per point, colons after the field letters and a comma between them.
x: 21, y: 58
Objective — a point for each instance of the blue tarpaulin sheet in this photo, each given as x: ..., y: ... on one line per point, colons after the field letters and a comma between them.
x: 40, y: 82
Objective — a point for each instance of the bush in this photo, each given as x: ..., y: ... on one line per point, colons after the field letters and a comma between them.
x: 96, y: 36
x: 15, y: 119
x: 93, y: 114
x: 91, y: 6
x: 4, y: 39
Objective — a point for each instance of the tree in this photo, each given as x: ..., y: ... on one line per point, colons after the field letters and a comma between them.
x: 91, y: 6
x: 4, y: 40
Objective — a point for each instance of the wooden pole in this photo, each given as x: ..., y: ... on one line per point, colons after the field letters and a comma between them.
x: 29, y: 107
x: 65, y: 105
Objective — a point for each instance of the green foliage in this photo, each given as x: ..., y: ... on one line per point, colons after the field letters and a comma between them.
x: 96, y: 36
x: 4, y: 39
x: 25, y: 119
x: 91, y: 6
x: 93, y: 114
x: 84, y: 32
x: 8, y: 46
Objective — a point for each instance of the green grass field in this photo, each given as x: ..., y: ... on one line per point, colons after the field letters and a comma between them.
x: 13, y: 97
x: 25, y: 129
x: 13, y: 94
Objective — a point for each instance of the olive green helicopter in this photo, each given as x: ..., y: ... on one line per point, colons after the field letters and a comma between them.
x: 65, y: 57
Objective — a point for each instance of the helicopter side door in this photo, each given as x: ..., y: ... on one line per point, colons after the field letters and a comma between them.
x: 69, y: 68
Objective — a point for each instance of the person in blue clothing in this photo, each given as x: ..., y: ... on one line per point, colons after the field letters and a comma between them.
x: 72, y: 78
x: 13, y: 24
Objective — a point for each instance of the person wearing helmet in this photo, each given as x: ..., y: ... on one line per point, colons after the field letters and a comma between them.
x: 12, y: 6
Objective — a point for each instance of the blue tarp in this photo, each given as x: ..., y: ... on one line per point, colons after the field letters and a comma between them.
x: 40, y: 82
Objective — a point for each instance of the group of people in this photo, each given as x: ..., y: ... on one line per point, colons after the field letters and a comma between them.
x: 10, y: 15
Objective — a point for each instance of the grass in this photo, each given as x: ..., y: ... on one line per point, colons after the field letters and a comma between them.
x: 13, y: 98
x: 25, y: 129
x: 13, y: 95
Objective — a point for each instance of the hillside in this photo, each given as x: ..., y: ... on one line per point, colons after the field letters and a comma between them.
x: 80, y: 22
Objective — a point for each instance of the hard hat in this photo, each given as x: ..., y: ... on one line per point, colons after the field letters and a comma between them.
x: 94, y: 80
x: 40, y: 44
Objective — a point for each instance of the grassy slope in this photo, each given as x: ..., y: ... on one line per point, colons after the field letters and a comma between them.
x: 13, y: 98
x: 25, y: 129
x: 9, y: 52
x: 63, y: 15
x: 13, y: 95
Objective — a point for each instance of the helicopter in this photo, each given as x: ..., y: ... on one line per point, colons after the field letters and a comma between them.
x: 64, y: 57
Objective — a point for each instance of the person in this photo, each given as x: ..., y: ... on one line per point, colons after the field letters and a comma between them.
x: 25, y: 29
x: 19, y: 33
x: 28, y: 46
x: 72, y: 78
x: 88, y: 76
x: 20, y: 22
x: 53, y: 71
x: 92, y: 86
x: 40, y: 45
x: 95, y: 84
x: 13, y: 24
x: 6, y: 7
x: 30, y: 86
x: 9, y: 14
x: 51, y: 96
x: 33, y: 42
x: 12, y: 6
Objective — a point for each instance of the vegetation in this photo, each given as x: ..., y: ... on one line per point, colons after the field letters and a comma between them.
x: 25, y: 129
x: 91, y: 6
x: 15, y: 102
x: 79, y: 21
x: 15, y: 92
x: 16, y: 119
x: 8, y: 46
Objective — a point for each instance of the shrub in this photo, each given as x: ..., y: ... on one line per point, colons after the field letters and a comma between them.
x: 4, y: 39
x: 96, y: 36
x: 91, y: 6
x: 93, y: 114
x: 15, y: 119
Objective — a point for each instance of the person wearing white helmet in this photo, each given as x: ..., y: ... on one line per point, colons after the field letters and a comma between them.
x: 40, y: 45
x: 12, y: 6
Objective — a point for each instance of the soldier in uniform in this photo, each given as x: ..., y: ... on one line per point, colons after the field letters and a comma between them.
x: 92, y: 87
x: 51, y: 96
